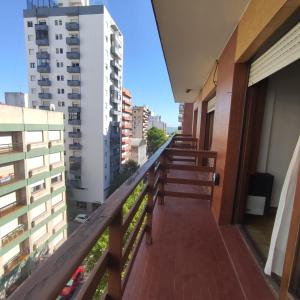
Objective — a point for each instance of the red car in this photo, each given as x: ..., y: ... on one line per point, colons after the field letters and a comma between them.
x: 72, y: 284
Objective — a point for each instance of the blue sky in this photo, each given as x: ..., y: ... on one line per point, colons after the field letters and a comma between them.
x: 145, y: 73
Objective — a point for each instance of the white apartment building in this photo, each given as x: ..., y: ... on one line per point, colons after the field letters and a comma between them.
x: 75, y: 58
x: 155, y: 121
x: 33, y: 219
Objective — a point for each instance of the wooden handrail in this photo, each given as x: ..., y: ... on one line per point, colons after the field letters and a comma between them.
x: 48, y: 280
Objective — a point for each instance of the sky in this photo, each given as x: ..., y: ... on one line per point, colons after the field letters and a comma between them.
x: 145, y: 73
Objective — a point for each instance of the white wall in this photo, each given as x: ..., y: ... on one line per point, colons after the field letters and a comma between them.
x: 281, y: 127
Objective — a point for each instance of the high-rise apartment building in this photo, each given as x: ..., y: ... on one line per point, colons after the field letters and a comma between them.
x: 140, y: 121
x: 32, y: 187
x: 155, y: 121
x: 75, y: 58
x: 126, y: 124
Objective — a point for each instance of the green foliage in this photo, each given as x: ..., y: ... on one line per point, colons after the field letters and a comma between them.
x: 127, y: 170
x: 99, y: 248
x: 155, y: 138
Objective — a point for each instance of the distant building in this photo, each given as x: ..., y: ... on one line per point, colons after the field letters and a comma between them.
x: 155, y: 121
x: 126, y: 124
x: 138, y: 150
x: 140, y: 121
x: 32, y: 186
x: 16, y: 99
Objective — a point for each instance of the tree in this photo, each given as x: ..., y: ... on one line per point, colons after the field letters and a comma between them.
x: 155, y: 138
x: 127, y: 169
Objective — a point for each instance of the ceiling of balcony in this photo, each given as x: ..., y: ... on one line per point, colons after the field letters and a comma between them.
x: 193, y: 34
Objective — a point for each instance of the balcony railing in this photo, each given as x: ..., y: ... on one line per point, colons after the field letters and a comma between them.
x: 72, y: 41
x: 10, y: 208
x: 74, y: 109
x: 73, y: 82
x: 13, y: 234
x: 10, y: 147
x: 72, y: 26
x: 74, y: 122
x: 44, y: 68
x: 74, y: 96
x: 13, y: 262
x: 117, y: 260
x: 75, y: 135
x: 73, y: 55
x: 73, y: 69
x: 6, y: 179
x: 45, y: 95
x: 43, y: 55
x: 44, y: 82
x: 75, y: 146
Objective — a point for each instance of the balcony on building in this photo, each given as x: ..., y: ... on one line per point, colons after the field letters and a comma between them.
x: 74, y: 134
x: 75, y: 169
x: 74, y: 109
x: 73, y: 69
x: 73, y: 41
x: 114, y: 112
x: 74, y: 96
x: 41, y: 31
x: 115, y: 51
x: 16, y: 260
x: 73, y: 82
x: 39, y: 242
x: 45, y: 68
x: 74, y: 183
x: 45, y: 95
x: 14, y: 234
x: 72, y: 26
x: 74, y: 122
x: 75, y: 159
x: 75, y: 146
x: 12, y: 207
x: 115, y: 64
x: 114, y: 98
x: 114, y: 76
x: 73, y: 55
x: 44, y: 82
x: 38, y: 219
x: 43, y: 55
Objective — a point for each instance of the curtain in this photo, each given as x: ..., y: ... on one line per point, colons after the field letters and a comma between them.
x: 281, y: 227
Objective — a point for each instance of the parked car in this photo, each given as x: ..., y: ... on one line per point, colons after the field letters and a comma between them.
x: 72, y: 284
x: 81, y: 218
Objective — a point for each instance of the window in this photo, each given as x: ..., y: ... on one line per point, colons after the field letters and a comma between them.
x: 29, y: 24
x: 32, y: 78
x: 59, y: 50
x: 81, y: 205
x: 31, y: 51
x: 62, y: 103
x: 56, y: 22
x: 33, y: 91
x: 30, y: 37
x: 58, y: 36
x: 60, y: 78
x: 59, y: 64
x: 60, y: 91
x: 32, y: 65
x: 60, y: 22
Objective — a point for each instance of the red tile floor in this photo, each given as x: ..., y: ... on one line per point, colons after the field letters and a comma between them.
x: 191, y: 258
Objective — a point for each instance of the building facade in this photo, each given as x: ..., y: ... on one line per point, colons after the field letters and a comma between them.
x: 140, y: 121
x: 75, y: 58
x: 16, y: 99
x: 138, y: 151
x: 126, y: 124
x: 32, y: 188
x: 155, y: 121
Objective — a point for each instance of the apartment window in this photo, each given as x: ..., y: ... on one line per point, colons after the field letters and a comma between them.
x: 61, y: 104
x: 30, y: 37
x: 32, y: 77
x: 32, y: 65
x: 59, y: 64
x: 60, y: 22
x: 31, y: 51
x: 59, y: 50
x: 60, y: 91
x: 81, y: 205
x: 60, y: 78
x: 56, y: 22
x: 29, y: 24
x: 33, y: 91
x: 58, y: 37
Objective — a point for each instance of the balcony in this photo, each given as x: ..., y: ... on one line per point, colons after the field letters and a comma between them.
x: 73, y: 69
x: 73, y: 55
x: 74, y: 109
x: 75, y: 159
x: 56, y: 165
x: 12, y: 207
x: 41, y: 27
x: 37, y: 171
x: 114, y: 98
x: 114, y: 111
x: 115, y: 64
x: 72, y: 41
x: 72, y: 26
x: 57, y: 206
x: 37, y: 220
x: 115, y: 123
x: 44, y: 68
x: 43, y: 55
x: 55, y: 143
x: 75, y: 146
x: 75, y: 168
x: 42, y: 41
x: 38, y: 194
x: 40, y: 241
x: 73, y: 82
x: 74, y: 96
x: 75, y: 135
x: 75, y: 183
x: 44, y: 82
x: 115, y: 76
x: 37, y: 145
x: 57, y: 185
x: 74, y: 122
x: 16, y: 260
x: 20, y: 229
